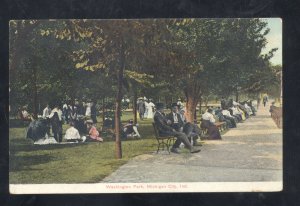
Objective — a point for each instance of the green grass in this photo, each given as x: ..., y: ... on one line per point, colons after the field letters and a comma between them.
x: 72, y: 163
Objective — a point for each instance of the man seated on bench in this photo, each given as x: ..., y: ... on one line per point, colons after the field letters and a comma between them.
x: 191, y: 130
x: 222, y: 118
x: 208, y: 121
x: 174, y: 117
x: 164, y: 129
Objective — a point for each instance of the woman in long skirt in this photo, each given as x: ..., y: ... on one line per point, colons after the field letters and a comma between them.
x: 207, y: 122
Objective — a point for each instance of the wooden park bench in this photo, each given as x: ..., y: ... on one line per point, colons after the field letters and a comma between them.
x: 163, y: 140
x: 222, y: 126
x: 276, y: 114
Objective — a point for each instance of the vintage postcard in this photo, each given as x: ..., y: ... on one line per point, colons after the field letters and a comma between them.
x: 145, y: 105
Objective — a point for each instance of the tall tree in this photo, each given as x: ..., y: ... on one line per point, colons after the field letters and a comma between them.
x: 112, y: 46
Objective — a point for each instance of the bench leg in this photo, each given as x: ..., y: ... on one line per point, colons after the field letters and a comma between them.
x: 162, y: 144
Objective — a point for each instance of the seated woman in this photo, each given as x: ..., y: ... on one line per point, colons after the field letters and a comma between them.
x: 223, y: 119
x: 72, y: 134
x: 242, y: 108
x: 93, y: 134
x: 228, y: 116
x: 252, y: 108
x: 207, y: 122
x: 248, y: 109
x: 236, y: 113
x: 131, y: 129
x: 24, y: 115
x: 242, y: 112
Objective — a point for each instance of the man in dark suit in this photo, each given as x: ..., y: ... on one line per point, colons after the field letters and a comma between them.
x: 141, y: 108
x: 164, y: 128
x: 191, y: 130
x: 174, y: 117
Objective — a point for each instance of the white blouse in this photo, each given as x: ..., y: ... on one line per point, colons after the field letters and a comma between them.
x: 72, y: 133
x: 208, y: 116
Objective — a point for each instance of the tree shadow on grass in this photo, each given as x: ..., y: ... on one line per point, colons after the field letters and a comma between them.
x: 18, y: 163
x: 17, y: 145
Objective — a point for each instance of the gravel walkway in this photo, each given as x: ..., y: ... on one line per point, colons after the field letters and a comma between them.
x: 250, y: 152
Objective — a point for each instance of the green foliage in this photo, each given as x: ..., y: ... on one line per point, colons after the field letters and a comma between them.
x: 84, y: 163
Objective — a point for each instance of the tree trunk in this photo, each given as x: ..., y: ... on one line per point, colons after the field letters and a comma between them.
x: 35, y: 95
x: 191, y: 105
x: 103, y: 109
x: 134, y: 107
x: 195, y: 116
x: 166, y: 100
x: 236, y: 95
x: 118, y: 145
x: 206, y: 103
x: 200, y: 105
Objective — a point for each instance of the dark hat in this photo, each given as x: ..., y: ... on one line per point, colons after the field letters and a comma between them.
x: 159, y: 105
x: 174, y: 105
x: 209, y: 110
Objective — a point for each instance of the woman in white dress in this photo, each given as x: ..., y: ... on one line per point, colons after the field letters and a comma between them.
x: 150, y: 108
x: 72, y: 134
x: 146, y: 108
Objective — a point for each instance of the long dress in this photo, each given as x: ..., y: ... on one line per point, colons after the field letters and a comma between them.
x: 212, y: 130
x: 146, y: 109
x: 150, y: 107
x: 208, y: 123
x: 88, y: 110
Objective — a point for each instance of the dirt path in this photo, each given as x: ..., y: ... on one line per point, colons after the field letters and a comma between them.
x: 250, y: 152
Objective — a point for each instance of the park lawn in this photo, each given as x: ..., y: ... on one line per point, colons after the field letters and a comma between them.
x: 72, y: 163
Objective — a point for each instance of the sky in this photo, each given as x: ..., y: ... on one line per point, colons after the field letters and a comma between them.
x: 274, y: 38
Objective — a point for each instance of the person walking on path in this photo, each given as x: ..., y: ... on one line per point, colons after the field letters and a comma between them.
x: 141, y: 108
x: 265, y: 100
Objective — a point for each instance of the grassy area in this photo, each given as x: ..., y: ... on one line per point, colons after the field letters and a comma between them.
x: 72, y: 163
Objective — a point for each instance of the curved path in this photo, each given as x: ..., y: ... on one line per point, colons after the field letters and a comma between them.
x: 251, y: 152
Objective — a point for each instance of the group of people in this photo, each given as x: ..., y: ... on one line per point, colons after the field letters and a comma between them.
x: 80, y: 119
x: 175, y: 124
x: 145, y: 108
x: 233, y: 112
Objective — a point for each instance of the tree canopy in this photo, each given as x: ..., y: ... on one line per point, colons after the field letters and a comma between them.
x: 190, y: 58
